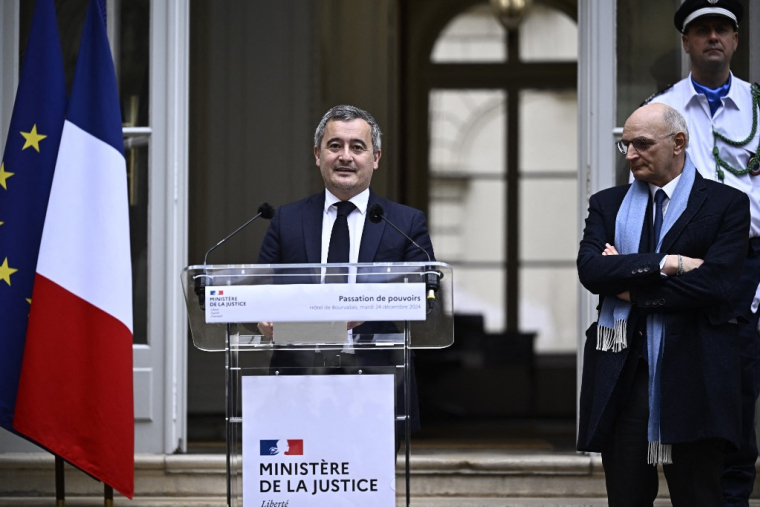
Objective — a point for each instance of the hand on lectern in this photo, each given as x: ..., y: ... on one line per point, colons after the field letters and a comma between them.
x: 266, y: 329
x: 351, y: 324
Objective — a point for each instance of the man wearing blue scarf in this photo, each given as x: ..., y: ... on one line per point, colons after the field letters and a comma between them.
x: 661, y: 377
x: 722, y: 113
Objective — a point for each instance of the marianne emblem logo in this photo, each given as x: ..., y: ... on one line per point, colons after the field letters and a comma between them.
x: 217, y: 293
x: 281, y: 447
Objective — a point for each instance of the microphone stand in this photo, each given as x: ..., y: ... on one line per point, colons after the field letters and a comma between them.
x: 432, y: 275
x: 199, y: 287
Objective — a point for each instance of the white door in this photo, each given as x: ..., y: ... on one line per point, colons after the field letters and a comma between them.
x: 150, y: 39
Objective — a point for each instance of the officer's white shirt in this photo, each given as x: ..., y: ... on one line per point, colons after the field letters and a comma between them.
x: 733, y: 119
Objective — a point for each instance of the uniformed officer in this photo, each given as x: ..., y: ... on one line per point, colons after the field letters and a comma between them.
x: 722, y: 114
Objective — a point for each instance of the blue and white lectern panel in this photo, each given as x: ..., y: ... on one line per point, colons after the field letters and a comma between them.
x: 318, y: 440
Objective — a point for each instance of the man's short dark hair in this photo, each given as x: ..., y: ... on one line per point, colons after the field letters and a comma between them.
x: 348, y: 113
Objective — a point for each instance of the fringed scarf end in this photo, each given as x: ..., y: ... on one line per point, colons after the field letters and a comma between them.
x: 612, y: 339
x: 659, y: 453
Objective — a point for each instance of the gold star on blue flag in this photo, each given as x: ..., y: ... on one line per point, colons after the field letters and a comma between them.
x: 36, y: 123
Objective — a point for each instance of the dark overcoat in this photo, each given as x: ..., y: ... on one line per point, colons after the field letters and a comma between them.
x: 700, y: 395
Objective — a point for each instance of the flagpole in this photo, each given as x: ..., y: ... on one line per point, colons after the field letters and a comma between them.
x: 60, y: 483
x: 107, y: 495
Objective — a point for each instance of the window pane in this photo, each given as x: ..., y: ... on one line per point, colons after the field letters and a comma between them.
x: 467, y: 224
x: 560, y: 46
x: 467, y: 132
x: 473, y: 36
x: 480, y: 291
x: 548, y: 131
x: 467, y: 169
x: 548, y: 219
x: 136, y: 151
x: 648, y: 51
x: 133, y: 61
x: 548, y: 306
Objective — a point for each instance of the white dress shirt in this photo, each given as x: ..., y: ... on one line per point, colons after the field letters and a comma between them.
x: 669, y: 188
x: 355, y: 223
x: 355, y: 229
x: 733, y: 119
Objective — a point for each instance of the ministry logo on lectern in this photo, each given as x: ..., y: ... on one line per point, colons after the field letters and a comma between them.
x: 281, y: 447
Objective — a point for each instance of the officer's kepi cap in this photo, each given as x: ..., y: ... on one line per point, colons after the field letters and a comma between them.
x: 693, y: 9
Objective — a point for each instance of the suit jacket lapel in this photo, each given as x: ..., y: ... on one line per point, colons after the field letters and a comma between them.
x: 372, y: 232
x: 696, y: 199
x: 312, y: 227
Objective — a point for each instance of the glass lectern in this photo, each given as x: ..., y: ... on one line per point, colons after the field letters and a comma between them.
x: 293, y: 335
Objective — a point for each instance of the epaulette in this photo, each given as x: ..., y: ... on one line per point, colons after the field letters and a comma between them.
x: 656, y: 94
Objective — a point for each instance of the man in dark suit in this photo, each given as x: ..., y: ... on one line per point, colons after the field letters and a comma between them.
x: 347, y: 149
x: 661, y: 365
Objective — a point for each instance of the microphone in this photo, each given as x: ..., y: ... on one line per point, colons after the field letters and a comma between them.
x: 376, y: 213
x: 265, y: 211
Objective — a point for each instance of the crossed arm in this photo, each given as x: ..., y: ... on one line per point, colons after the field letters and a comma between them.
x: 717, y: 242
x: 669, y: 267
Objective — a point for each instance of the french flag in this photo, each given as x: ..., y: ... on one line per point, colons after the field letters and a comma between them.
x: 75, y: 393
x: 281, y: 447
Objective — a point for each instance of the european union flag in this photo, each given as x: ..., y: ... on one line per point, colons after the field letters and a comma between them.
x: 267, y: 447
x: 26, y: 174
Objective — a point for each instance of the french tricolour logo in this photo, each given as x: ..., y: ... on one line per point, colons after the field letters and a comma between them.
x: 279, y: 447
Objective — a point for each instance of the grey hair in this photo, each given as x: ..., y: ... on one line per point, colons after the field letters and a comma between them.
x: 348, y: 113
x: 675, y: 122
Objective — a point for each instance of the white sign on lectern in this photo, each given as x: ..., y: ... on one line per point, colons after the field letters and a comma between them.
x: 318, y: 440
x: 315, y: 302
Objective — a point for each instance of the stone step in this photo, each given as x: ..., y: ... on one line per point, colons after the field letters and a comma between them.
x: 440, y: 477
x: 525, y: 502
x: 416, y: 502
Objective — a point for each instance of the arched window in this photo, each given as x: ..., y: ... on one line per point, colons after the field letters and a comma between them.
x: 501, y: 160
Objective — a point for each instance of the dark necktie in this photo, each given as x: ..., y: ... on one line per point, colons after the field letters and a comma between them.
x: 659, y: 198
x: 340, y: 242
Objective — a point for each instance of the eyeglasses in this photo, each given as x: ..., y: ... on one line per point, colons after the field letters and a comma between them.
x: 640, y: 144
